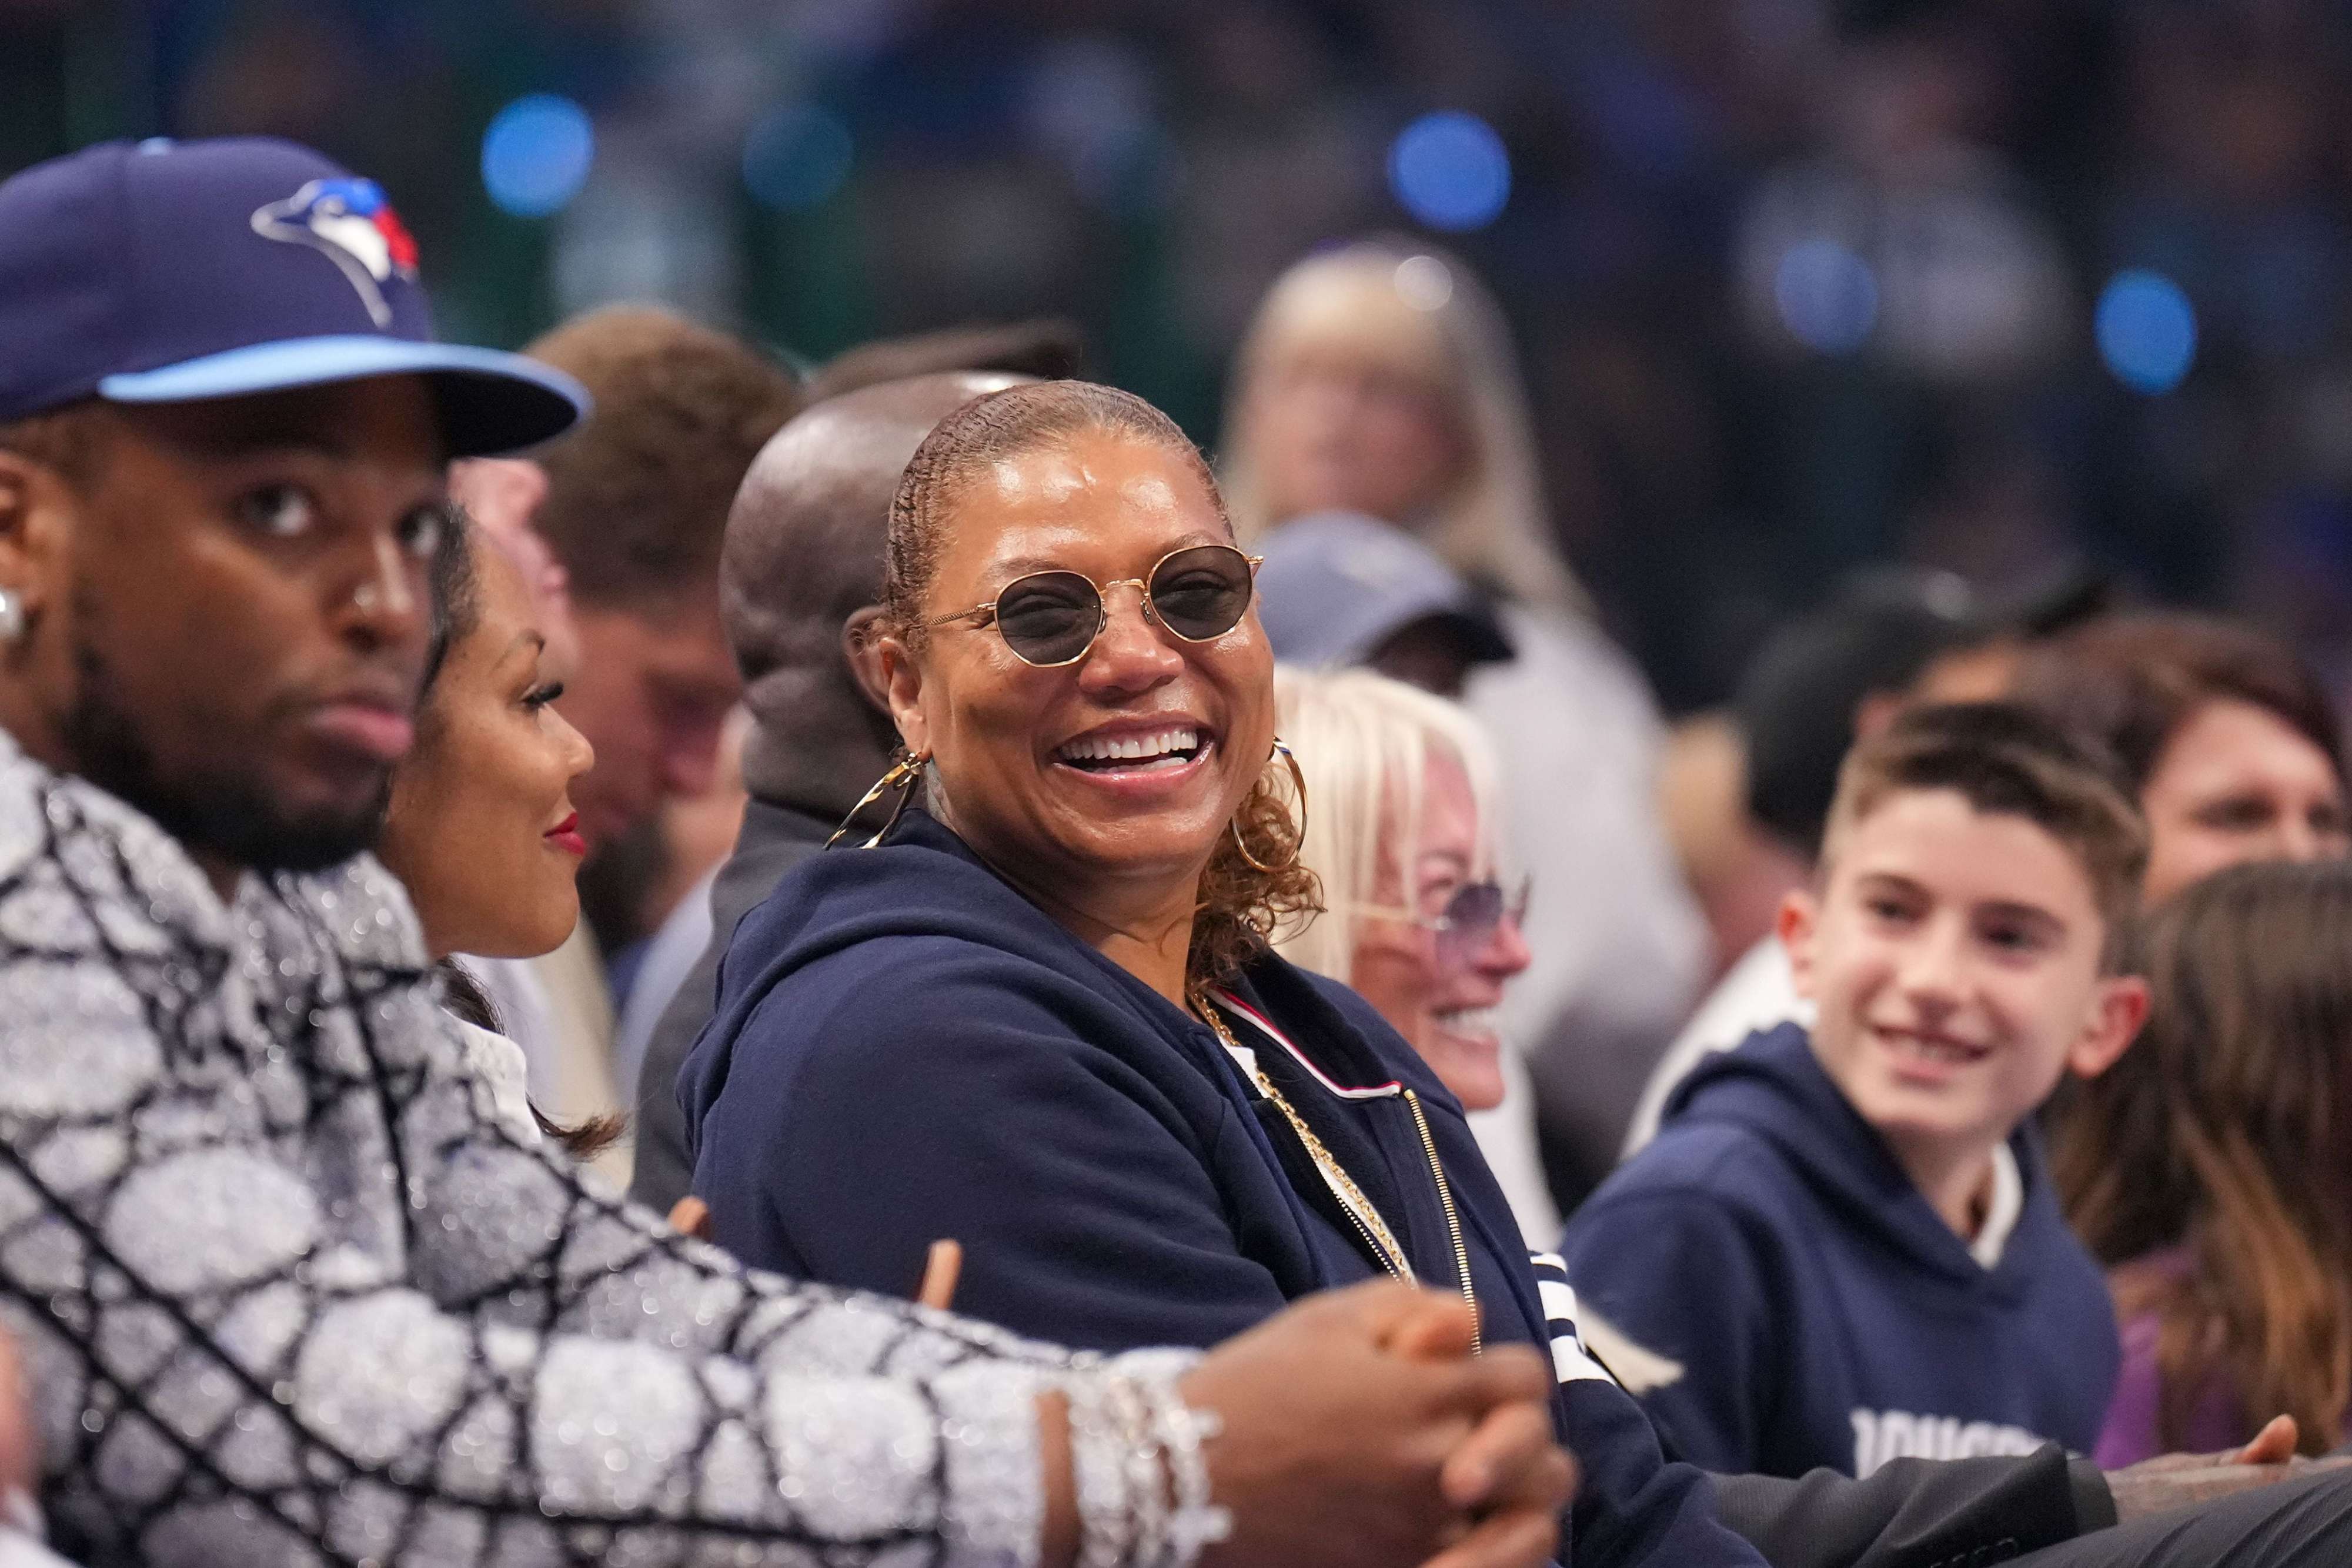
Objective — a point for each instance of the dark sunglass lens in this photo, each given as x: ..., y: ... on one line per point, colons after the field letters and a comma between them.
x: 1476, y: 909
x: 1050, y: 618
x: 1202, y: 593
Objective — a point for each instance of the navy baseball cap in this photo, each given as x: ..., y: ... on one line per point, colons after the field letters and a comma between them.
x: 1336, y: 585
x: 169, y: 271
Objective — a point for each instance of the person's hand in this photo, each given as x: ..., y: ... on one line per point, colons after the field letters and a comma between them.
x: 2184, y: 1481
x: 20, y: 1454
x: 1359, y: 1430
x: 942, y: 1268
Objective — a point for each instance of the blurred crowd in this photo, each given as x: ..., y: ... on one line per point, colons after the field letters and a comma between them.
x: 1799, y: 284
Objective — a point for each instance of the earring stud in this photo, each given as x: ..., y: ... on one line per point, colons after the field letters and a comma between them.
x: 12, y: 615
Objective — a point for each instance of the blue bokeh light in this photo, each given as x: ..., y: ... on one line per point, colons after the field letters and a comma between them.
x: 796, y: 157
x: 2146, y: 330
x: 1450, y: 171
x: 536, y: 156
x: 1827, y: 296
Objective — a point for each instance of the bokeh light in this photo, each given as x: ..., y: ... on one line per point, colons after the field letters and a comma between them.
x: 1827, y: 296
x: 1423, y: 282
x: 2146, y: 330
x: 796, y: 157
x: 1450, y: 171
x: 536, y: 156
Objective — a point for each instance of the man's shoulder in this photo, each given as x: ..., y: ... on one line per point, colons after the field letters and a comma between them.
x: 361, y: 909
x: 82, y: 872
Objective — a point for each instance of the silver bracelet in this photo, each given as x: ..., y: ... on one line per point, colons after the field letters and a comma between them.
x: 1147, y: 1473
x: 1098, y: 1472
x: 1182, y: 1433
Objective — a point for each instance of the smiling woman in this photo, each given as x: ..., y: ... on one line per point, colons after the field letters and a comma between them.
x: 1060, y: 492
x: 1042, y: 1016
x: 1403, y: 838
x: 479, y: 823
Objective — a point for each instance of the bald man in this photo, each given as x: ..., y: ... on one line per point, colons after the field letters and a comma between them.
x: 799, y: 577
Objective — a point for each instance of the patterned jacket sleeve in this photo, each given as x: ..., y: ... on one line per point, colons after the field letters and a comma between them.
x: 287, y: 1294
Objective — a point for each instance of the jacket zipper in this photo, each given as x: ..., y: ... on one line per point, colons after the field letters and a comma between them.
x: 1371, y: 1244
x: 1380, y: 1254
x: 1453, y: 1219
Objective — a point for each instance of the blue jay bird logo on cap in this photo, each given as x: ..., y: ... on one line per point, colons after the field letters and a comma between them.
x: 350, y: 222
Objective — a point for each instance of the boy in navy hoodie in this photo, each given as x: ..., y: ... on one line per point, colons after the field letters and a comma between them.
x: 1843, y: 1248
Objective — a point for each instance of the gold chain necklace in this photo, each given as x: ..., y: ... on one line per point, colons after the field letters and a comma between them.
x: 1343, y: 1186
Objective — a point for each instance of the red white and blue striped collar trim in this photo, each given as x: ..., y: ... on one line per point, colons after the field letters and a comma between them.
x: 1266, y: 1026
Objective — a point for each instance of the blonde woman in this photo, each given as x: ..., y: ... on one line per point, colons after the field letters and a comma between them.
x: 1419, y: 918
x: 1378, y: 378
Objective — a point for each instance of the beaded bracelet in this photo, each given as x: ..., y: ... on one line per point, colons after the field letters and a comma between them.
x: 1146, y: 1472
x: 1098, y: 1472
x: 1139, y: 1471
x: 1182, y: 1433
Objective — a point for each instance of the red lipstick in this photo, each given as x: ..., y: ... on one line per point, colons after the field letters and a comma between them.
x: 565, y: 836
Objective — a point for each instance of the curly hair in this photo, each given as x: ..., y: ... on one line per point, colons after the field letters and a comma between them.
x: 1240, y: 906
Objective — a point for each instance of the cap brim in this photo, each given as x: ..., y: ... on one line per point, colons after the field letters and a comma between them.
x: 489, y: 402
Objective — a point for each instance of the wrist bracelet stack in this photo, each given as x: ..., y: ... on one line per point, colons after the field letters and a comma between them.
x: 1138, y: 1454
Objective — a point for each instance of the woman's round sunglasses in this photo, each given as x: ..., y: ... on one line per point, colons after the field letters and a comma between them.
x: 1052, y: 618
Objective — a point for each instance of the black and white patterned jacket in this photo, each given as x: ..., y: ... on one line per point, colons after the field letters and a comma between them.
x: 287, y: 1293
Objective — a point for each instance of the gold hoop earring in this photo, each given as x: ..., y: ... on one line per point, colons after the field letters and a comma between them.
x: 902, y: 776
x: 1299, y: 780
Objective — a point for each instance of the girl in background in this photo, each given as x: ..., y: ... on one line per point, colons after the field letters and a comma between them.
x: 2224, y: 731
x: 2211, y: 1167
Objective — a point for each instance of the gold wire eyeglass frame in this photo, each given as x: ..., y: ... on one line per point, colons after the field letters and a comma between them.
x: 1142, y: 585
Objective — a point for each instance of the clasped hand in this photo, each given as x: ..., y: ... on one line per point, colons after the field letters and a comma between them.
x: 1358, y: 1429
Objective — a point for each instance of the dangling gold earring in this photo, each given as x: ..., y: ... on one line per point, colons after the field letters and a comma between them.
x: 902, y: 776
x: 1296, y: 844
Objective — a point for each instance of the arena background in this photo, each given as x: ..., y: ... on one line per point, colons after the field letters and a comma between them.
x: 2006, y: 286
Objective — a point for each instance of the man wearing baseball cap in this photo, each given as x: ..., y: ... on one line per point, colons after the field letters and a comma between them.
x: 224, y: 423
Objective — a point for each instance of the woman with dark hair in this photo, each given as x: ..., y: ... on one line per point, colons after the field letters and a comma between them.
x: 2212, y: 1167
x: 2227, y: 733
x: 1040, y: 1014
x: 479, y: 825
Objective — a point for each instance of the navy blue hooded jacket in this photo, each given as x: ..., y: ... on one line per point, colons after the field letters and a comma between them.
x: 1820, y: 1311
x: 905, y: 1048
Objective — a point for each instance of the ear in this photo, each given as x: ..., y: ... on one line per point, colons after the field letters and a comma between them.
x: 861, y: 648
x: 2118, y: 1011
x: 902, y: 689
x: 35, y: 505
x: 1797, y: 925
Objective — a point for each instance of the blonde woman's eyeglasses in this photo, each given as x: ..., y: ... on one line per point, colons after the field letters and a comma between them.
x: 1469, y: 919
